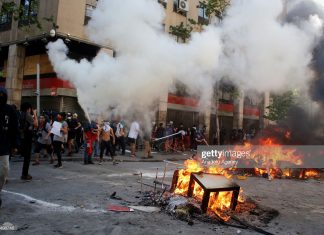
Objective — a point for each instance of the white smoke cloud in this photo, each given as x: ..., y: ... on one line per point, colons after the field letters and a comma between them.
x: 252, y: 46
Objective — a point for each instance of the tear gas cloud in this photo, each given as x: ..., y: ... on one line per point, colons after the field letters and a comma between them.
x: 256, y: 46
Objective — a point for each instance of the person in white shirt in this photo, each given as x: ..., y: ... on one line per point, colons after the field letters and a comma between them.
x: 132, y: 136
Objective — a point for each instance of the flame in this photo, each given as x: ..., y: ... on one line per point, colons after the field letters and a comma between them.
x: 310, y: 173
x: 218, y: 204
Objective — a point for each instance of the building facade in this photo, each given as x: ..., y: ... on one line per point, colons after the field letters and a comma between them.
x: 21, y: 51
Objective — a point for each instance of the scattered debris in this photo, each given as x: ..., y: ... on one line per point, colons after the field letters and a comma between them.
x: 149, y: 209
x: 119, y: 208
x: 113, y: 196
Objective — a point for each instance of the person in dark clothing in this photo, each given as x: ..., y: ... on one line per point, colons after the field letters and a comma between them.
x: 78, y: 133
x: 160, y: 132
x: 8, y: 135
x: 28, y: 121
x: 193, y: 133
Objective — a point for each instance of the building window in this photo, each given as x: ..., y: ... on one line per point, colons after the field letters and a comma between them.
x: 5, y: 21
x: 29, y: 12
x: 202, y: 18
x: 88, y: 13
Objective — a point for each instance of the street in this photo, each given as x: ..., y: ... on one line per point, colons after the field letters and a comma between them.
x: 74, y: 200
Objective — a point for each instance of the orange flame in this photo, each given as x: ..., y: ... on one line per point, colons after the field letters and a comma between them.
x: 218, y: 204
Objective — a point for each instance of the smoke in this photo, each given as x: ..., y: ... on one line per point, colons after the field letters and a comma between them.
x: 254, y: 47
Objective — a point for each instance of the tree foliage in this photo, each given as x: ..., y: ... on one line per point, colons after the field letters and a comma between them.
x: 181, y: 31
x: 214, y: 7
x: 280, y: 106
x: 26, y: 16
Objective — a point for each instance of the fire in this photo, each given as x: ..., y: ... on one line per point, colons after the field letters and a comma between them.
x: 218, y: 204
x: 310, y: 173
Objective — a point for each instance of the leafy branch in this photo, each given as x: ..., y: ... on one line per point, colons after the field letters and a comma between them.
x: 280, y: 106
x: 27, y: 17
x: 181, y: 31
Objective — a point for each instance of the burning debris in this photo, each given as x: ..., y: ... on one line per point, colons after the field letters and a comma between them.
x: 210, y: 194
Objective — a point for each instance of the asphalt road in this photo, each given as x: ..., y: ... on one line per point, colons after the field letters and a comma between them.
x: 74, y: 200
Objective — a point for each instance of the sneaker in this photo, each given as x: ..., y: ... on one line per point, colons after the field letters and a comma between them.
x: 91, y: 162
x: 36, y: 163
x: 26, y: 178
x: 58, y: 166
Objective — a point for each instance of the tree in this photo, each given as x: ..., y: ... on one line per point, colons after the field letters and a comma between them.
x: 181, y: 31
x: 214, y: 7
x: 280, y: 106
x: 25, y: 14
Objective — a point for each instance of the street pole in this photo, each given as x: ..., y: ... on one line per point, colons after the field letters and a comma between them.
x: 38, y: 89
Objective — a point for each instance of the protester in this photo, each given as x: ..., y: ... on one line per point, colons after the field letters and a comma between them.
x: 169, y: 140
x: 58, y: 139
x: 72, y: 125
x: 90, y: 136
x: 78, y: 133
x: 27, y: 123
x: 147, y: 144
x: 8, y: 136
x: 132, y: 136
x: 43, y: 139
x: 106, y: 134
x: 160, y: 132
x: 193, y: 132
x: 120, y: 135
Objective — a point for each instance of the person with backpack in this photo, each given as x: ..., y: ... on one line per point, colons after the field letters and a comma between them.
x: 44, y: 140
x: 8, y: 135
x: 28, y: 122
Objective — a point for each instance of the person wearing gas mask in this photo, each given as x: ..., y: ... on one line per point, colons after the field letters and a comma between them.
x: 8, y: 135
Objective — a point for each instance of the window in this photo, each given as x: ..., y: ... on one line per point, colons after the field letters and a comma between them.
x: 88, y: 13
x: 202, y: 18
x: 29, y: 11
x: 5, y: 21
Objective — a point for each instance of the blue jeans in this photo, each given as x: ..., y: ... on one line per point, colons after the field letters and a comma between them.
x: 96, y: 148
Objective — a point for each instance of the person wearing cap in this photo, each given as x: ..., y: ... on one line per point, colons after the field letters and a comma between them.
x: 58, y: 140
x: 8, y: 135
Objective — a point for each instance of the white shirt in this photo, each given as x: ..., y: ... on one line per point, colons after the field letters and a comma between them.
x: 134, y: 130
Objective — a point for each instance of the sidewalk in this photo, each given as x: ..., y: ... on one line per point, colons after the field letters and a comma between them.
x: 157, y: 157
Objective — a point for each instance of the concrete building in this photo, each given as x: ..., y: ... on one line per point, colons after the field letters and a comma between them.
x: 22, y: 50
